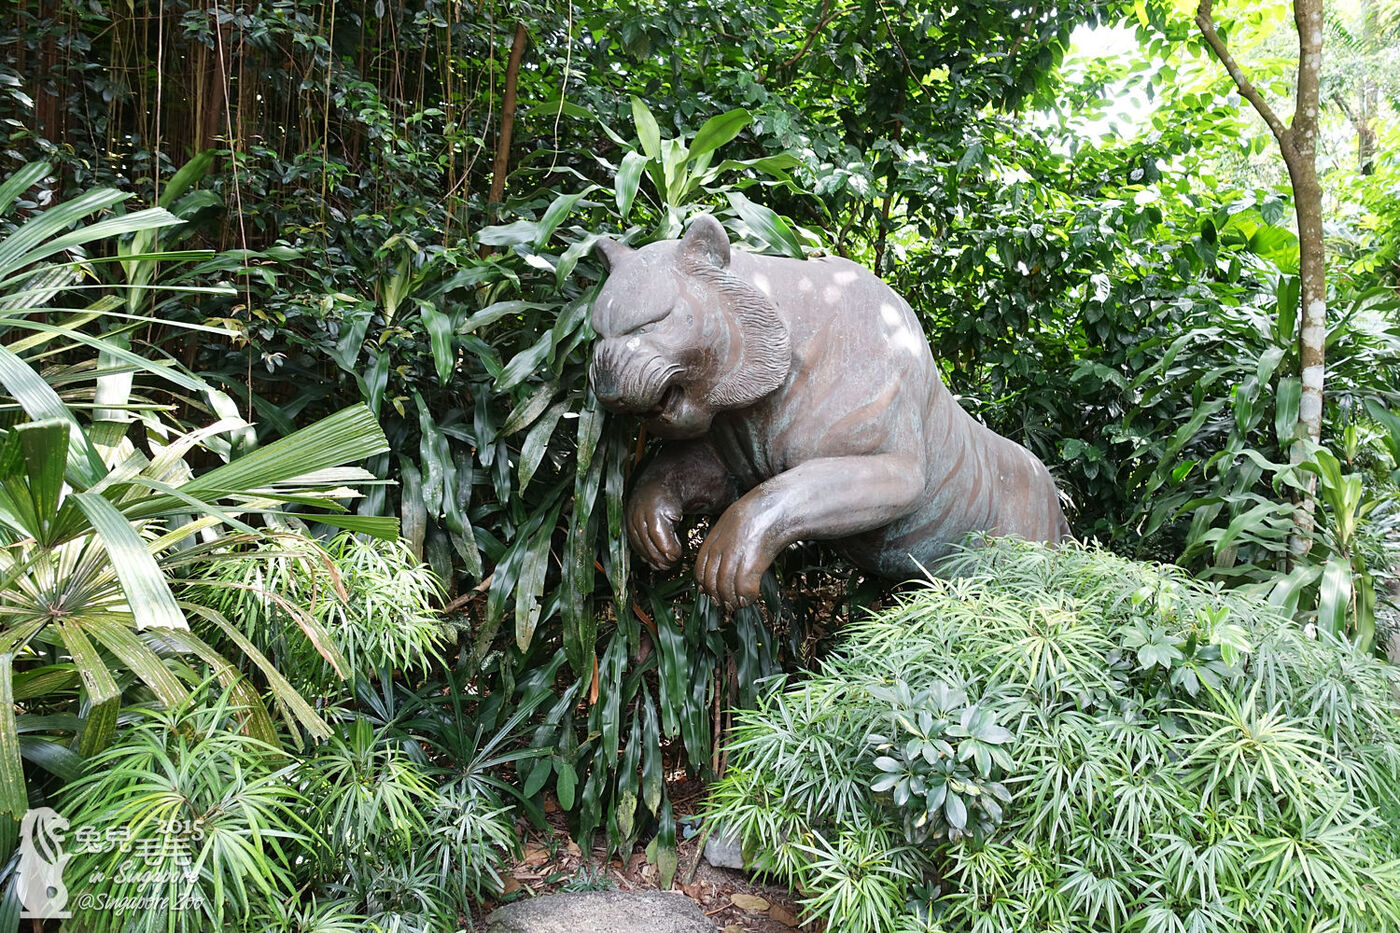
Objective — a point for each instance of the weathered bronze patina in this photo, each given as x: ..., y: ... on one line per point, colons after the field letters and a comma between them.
x: 803, y: 402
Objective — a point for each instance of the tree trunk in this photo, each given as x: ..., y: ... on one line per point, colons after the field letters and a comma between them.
x: 1300, y: 153
x: 50, y: 100
x: 501, y: 168
x: 212, y: 101
x: 1298, y: 144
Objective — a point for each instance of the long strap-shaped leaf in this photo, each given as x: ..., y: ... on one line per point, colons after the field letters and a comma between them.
x: 41, y: 402
x: 45, y: 449
x: 20, y: 182
x: 347, y: 436
x: 13, y: 798
x: 26, y: 245
x: 144, y: 583
x: 107, y: 346
x: 143, y: 662
x: 103, y: 694
x: 287, y: 695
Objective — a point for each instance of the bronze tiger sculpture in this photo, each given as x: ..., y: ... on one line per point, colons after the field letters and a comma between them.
x: 802, y: 400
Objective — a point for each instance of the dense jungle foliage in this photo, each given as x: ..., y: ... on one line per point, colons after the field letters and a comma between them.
x: 281, y: 282
x: 1113, y: 746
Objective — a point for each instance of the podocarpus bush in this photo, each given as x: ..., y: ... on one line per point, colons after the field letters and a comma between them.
x: 1069, y: 740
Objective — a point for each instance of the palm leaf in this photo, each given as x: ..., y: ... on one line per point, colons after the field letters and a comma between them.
x: 13, y: 797
x: 42, y: 403
x: 146, y: 588
x: 285, y: 694
x: 103, y: 694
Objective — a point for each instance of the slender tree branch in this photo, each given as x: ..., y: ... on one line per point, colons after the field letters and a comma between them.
x: 822, y: 22
x: 1247, y: 89
x: 1341, y: 102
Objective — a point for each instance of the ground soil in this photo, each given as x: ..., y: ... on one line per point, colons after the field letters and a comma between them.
x: 551, y: 861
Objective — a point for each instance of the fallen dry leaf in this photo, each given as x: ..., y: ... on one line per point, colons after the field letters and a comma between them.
x: 749, y: 902
x: 782, y: 916
x: 509, y: 885
x: 733, y: 928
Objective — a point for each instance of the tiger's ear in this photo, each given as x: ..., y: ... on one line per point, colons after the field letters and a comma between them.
x: 706, y: 241
x: 611, y: 252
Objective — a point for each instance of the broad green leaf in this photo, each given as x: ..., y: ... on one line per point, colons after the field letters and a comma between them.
x: 189, y: 174
x: 556, y: 213
x: 648, y: 132
x: 144, y: 584
x: 767, y: 225
x: 619, y: 556
x: 51, y: 755
x: 41, y: 403
x: 524, y: 364
x: 492, y: 313
x: 1289, y: 393
x: 26, y: 245
x: 32, y: 462
x: 719, y: 130
x: 1334, y: 595
x: 676, y: 178
x: 566, y: 785
x: 653, y: 763
x: 45, y: 447
x: 528, y: 409
x: 413, y: 513
x: 17, y: 250
x: 667, y: 856
x: 972, y: 155
x: 629, y: 177
x: 579, y: 622
x: 529, y: 591
x: 103, y: 694
x: 1286, y: 295
x: 384, y: 527
x: 21, y: 181
x: 511, y: 234
x: 349, y: 435
x: 13, y: 797
x: 439, y: 328
x: 537, y: 442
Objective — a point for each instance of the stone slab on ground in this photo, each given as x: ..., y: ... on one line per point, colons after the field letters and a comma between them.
x: 602, y: 912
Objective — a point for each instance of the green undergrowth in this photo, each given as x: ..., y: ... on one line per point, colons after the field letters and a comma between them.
x: 1067, y: 740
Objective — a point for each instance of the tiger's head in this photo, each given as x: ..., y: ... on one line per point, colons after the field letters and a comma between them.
x: 681, y: 336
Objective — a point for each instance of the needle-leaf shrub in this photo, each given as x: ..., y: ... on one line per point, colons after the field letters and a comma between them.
x: 1130, y: 749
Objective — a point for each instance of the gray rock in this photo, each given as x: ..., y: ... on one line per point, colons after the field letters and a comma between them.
x: 602, y: 912
x: 722, y: 849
